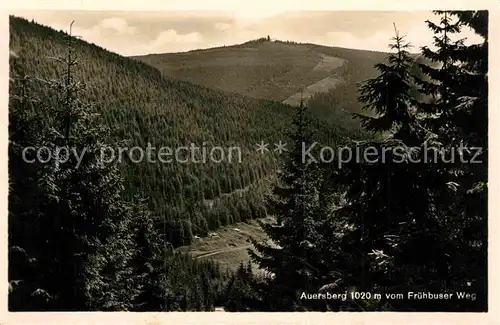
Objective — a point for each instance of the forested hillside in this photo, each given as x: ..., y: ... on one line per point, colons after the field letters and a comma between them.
x: 144, y: 108
x: 325, y: 77
x: 75, y: 241
x: 379, y: 202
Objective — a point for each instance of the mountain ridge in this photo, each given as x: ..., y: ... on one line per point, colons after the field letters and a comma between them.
x: 145, y: 107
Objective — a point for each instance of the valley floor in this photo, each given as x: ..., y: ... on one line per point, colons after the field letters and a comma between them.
x: 228, y: 245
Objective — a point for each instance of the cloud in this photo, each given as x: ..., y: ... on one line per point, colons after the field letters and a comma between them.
x: 222, y: 26
x: 417, y: 35
x: 378, y: 41
x: 255, y: 14
x: 171, y: 41
x: 171, y: 35
x: 119, y: 25
x: 106, y: 31
x: 92, y: 35
x: 118, y: 36
x: 130, y: 33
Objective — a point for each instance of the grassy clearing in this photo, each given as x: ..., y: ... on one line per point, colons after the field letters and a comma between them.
x: 228, y: 245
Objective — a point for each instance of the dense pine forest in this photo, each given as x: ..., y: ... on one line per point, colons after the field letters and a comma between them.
x: 90, y: 236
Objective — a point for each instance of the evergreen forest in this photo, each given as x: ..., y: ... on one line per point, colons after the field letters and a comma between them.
x: 91, y: 236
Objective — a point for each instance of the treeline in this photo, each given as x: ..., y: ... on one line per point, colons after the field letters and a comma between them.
x: 142, y: 107
x: 401, y: 219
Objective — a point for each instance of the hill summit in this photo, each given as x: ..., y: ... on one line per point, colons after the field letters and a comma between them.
x: 268, y: 69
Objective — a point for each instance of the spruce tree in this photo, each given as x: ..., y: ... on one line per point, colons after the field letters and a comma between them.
x: 405, y: 210
x: 151, y: 263
x: 239, y: 290
x: 288, y: 256
x: 389, y: 96
x: 26, y: 292
x: 443, y: 74
x: 467, y: 115
x: 78, y: 232
x: 459, y: 87
x: 474, y: 128
x: 392, y: 220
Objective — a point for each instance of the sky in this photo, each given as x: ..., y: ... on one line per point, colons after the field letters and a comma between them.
x: 142, y: 32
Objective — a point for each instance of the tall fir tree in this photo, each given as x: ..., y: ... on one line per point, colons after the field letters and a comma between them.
x: 25, y: 129
x: 466, y: 114
x: 459, y: 85
x: 77, y: 233
x: 406, y: 209
x: 393, y: 198
x: 150, y: 263
x: 389, y: 96
x: 240, y: 294
x: 442, y: 75
x: 289, y: 256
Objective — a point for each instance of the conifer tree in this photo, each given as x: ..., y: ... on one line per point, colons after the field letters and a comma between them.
x: 25, y: 129
x: 389, y: 95
x: 150, y: 263
x: 443, y: 74
x: 466, y: 114
x: 392, y: 216
x: 458, y: 83
x: 405, y: 210
x: 288, y: 256
x: 240, y: 293
x: 80, y: 237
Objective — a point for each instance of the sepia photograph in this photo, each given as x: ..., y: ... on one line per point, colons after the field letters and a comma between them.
x: 248, y: 161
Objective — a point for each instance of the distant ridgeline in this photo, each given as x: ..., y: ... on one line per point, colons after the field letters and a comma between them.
x: 267, y: 68
x: 143, y: 107
x: 284, y: 66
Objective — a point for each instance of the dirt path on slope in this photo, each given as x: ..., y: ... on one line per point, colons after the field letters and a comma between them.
x: 327, y: 63
x: 322, y: 86
x: 225, y: 250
